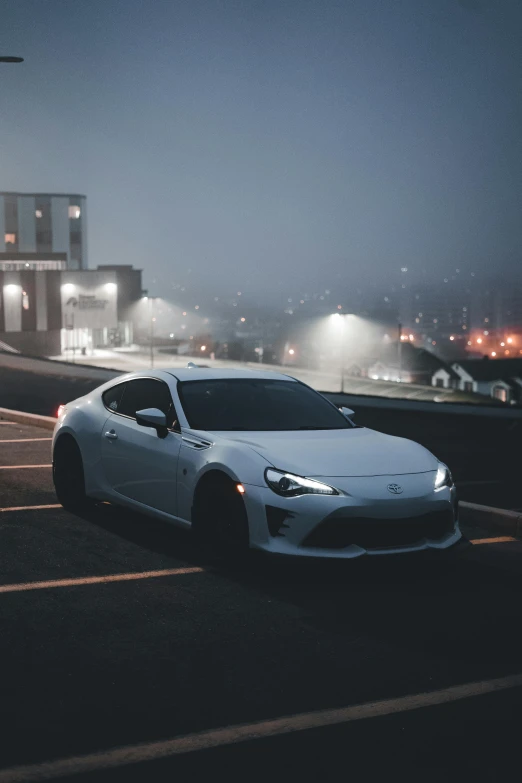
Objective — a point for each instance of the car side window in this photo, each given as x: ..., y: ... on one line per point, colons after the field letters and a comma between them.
x: 148, y: 393
x: 113, y: 396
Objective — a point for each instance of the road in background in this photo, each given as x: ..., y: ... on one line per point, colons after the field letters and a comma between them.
x: 135, y: 358
x: 94, y: 665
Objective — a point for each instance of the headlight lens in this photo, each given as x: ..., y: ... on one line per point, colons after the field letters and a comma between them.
x: 443, y: 477
x: 288, y: 485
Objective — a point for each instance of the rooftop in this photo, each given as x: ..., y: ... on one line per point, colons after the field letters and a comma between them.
x: 486, y: 369
x: 59, y: 195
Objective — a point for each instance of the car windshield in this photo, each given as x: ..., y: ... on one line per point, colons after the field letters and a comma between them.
x: 257, y: 405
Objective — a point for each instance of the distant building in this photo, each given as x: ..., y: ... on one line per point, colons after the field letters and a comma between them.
x: 43, y: 231
x: 412, y: 365
x: 497, y: 378
x: 50, y: 312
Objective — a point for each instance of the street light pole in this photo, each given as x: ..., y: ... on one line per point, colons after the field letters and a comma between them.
x: 399, y: 350
x: 151, y: 334
x: 343, y: 350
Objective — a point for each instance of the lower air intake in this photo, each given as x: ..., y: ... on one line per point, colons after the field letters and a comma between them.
x: 341, y: 532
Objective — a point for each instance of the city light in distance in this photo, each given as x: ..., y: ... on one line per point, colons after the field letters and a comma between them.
x: 452, y: 338
x: 510, y: 340
x: 291, y: 351
x: 203, y: 347
x: 493, y: 353
x: 479, y: 340
x: 68, y: 287
x: 184, y: 313
x: 243, y: 320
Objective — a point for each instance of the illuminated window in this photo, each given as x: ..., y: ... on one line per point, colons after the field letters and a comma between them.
x: 25, y: 300
x: 38, y: 213
x: 74, y: 212
x: 500, y: 393
x: 10, y: 239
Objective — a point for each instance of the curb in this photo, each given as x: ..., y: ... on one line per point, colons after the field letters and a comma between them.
x: 19, y: 417
x: 498, y: 519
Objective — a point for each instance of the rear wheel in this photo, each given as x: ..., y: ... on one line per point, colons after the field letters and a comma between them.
x: 220, y: 521
x: 68, y: 475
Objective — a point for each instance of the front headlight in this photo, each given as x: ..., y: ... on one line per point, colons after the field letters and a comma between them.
x: 443, y: 477
x: 289, y: 486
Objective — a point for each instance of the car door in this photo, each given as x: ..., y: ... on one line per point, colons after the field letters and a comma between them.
x: 136, y: 462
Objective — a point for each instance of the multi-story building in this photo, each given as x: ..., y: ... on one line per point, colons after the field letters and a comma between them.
x: 51, y: 312
x: 43, y: 231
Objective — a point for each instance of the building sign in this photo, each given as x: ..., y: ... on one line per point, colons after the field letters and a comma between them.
x: 89, y: 300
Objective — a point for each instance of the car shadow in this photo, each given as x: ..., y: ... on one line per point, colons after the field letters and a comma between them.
x: 452, y: 606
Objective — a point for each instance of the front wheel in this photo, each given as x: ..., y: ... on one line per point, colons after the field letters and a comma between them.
x: 68, y: 476
x: 220, y: 521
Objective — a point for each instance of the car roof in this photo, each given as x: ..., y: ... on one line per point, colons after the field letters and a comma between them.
x: 223, y: 373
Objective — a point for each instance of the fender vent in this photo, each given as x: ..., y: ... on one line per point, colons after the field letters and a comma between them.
x: 275, y: 518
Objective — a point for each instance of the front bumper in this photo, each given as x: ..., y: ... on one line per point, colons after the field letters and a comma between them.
x: 364, y: 520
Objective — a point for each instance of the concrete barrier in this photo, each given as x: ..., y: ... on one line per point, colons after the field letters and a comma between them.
x: 33, y: 419
x: 499, y: 520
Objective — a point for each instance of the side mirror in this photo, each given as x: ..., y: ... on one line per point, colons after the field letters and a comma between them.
x: 153, y: 417
x: 347, y: 412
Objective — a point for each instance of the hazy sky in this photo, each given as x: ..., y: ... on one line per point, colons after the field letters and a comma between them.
x: 275, y: 144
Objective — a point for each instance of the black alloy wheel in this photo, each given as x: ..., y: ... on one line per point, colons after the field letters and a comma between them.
x: 68, y: 476
x: 220, y: 520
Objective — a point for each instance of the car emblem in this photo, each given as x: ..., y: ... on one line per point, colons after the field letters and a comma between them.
x: 395, y: 489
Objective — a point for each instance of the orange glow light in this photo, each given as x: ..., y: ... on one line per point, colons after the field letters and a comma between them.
x: 510, y: 340
x: 479, y: 340
x: 240, y: 488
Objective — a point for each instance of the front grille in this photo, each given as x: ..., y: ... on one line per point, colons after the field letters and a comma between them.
x: 340, y: 532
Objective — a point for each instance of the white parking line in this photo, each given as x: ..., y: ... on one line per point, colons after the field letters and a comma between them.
x: 498, y: 540
x: 19, y: 467
x: 29, y: 508
x: 244, y: 732
x: 24, y: 440
x: 96, y: 580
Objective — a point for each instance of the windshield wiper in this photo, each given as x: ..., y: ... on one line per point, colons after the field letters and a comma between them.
x: 312, y: 427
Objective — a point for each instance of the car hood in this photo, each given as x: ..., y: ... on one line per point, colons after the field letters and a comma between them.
x: 354, y: 452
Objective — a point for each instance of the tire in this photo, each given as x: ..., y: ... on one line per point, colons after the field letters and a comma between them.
x: 68, y: 476
x: 220, y: 520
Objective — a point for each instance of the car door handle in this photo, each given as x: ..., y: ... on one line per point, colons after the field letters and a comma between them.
x: 111, y: 435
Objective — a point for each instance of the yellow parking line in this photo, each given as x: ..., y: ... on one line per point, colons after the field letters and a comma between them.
x: 245, y: 732
x: 24, y: 440
x: 498, y: 540
x: 94, y: 580
x: 29, y: 508
x: 19, y: 467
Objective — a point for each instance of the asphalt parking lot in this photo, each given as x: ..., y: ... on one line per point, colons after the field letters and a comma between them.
x: 120, y: 640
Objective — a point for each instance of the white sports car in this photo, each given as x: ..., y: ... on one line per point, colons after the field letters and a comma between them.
x: 252, y: 459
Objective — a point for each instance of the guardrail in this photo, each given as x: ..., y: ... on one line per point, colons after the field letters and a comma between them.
x: 498, y: 519
x: 19, y: 417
